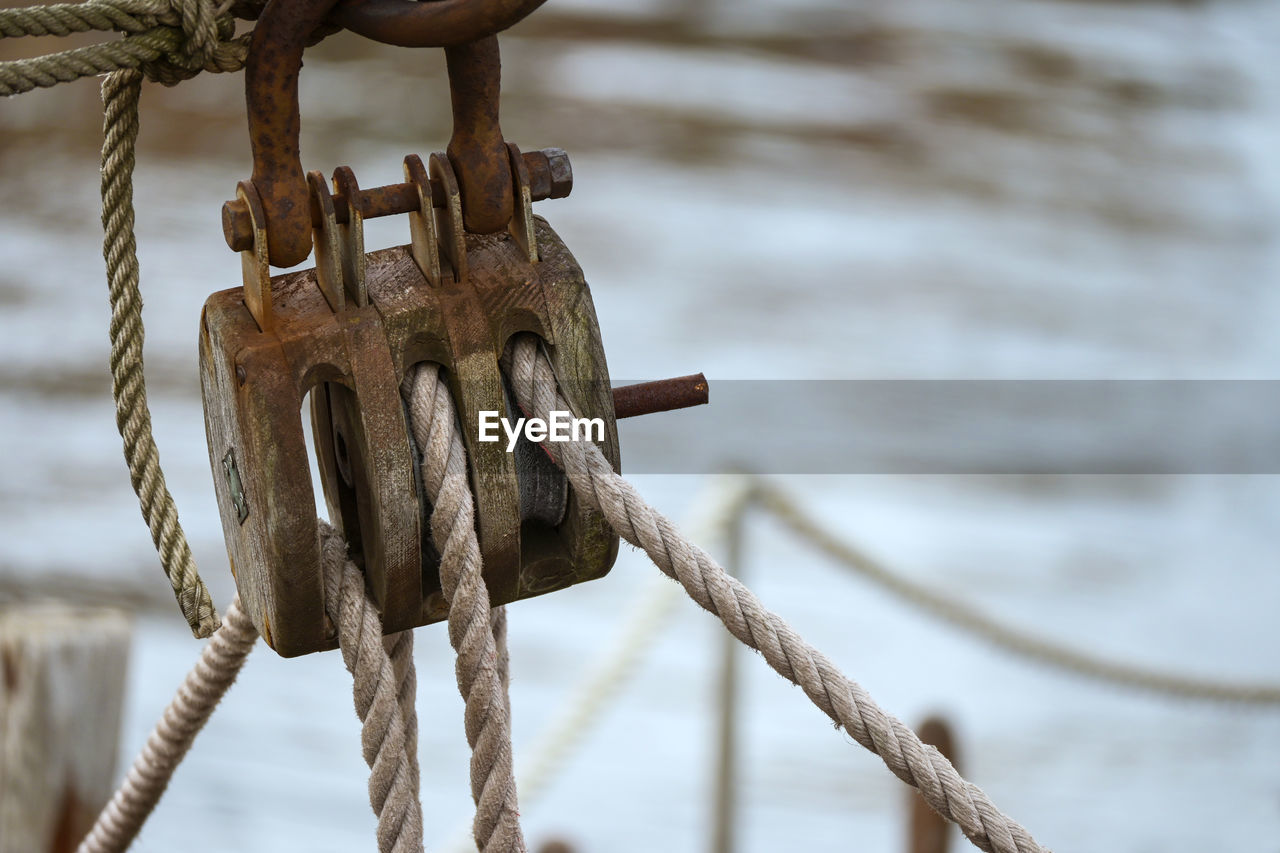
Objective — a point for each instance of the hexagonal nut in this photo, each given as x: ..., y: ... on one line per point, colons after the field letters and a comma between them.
x: 561, y: 172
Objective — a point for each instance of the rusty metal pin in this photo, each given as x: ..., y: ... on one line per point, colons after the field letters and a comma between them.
x: 550, y: 176
x: 662, y: 395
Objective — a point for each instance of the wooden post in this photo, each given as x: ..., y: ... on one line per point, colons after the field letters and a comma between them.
x: 62, y: 674
x: 725, y: 803
x: 930, y: 832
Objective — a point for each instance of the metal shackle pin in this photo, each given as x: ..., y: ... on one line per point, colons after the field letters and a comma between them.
x: 550, y: 176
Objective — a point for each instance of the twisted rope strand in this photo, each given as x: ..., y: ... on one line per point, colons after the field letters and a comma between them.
x: 133, y: 416
x: 384, y: 689
x: 220, y: 662
x: 841, y: 699
x: 170, y: 41
x: 477, y: 634
x: 195, y: 37
x: 61, y: 19
x: 379, y: 692
x: 399, y: 648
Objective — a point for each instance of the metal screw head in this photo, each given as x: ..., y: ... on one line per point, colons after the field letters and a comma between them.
x: 561, y: 172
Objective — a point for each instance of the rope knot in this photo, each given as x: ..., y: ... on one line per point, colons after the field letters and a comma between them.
x: 203, y: 41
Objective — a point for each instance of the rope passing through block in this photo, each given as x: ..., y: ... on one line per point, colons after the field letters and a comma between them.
x: 843, y: 700
x: 349, y: 333
x: 382, y: 667
x: 200, y: 43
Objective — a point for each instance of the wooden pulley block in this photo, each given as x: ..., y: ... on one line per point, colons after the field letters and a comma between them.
x: 348, y: 332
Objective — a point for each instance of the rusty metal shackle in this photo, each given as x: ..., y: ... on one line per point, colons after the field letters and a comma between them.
x: 271, y: 95
x: 438, y: 23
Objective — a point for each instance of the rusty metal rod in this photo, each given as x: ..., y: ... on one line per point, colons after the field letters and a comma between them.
x: 663, y: 395
x: 550, y: 176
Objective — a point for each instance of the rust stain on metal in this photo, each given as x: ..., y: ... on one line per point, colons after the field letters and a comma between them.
x: 477, y: 150
x: 550, y: 176
x: 663, y: 395
x: 271, y: 92
x: 271, y: 95
x: 353, y: 362
x: 407, y: 23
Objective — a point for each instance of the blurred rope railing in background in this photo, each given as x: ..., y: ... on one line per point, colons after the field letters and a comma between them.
x: 718, y: 520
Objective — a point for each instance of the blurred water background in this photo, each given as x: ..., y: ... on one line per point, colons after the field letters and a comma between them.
x: 765, y: 190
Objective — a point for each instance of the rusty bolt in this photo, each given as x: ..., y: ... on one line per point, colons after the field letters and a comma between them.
x: 550, y: 176
x: 663, y: 395
x: 560, y: 171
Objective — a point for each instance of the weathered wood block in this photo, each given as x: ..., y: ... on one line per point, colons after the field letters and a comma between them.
x: 61, y: 696
x: 353, y: 361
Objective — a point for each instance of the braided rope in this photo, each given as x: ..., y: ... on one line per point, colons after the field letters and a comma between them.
x: 477, y: 635
x: 133, y: 417
x: 219, y: 663
x: 381, y: 694
x: 841, y: 699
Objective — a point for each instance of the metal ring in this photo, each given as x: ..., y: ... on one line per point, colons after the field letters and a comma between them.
x: 436, y: 23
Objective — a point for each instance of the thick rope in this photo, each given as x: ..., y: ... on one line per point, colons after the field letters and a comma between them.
x: 591, y: 696
x: 639, y: 631
x: 61, y: 19
x: 168, y: 41
x: 399, y: 648
x: 219, y: 664
x: 587, y: 702
x: 841, y: 699
x: 189, y: 36
x: 973, y: 622
x: 381, y: 697
x: 120, y: 93
x: 478, y: 637
x: 384, y: 687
